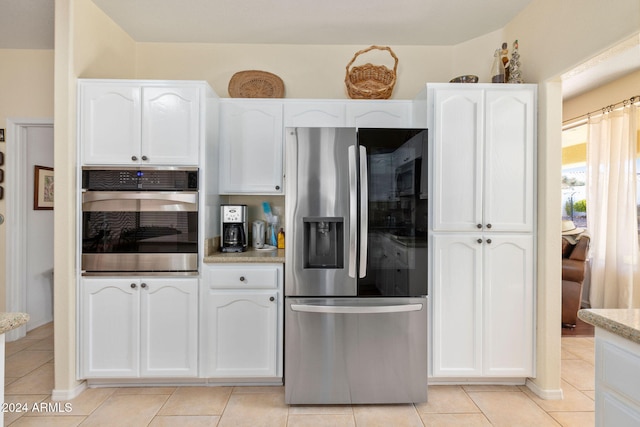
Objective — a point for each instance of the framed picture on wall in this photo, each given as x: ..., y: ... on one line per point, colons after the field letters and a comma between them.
x: 43, y: 188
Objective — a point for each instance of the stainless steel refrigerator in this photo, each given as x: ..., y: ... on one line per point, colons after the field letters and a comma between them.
x: 356, y: 266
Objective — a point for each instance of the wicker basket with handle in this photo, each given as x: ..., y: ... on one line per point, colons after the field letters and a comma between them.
x: 370, y: 81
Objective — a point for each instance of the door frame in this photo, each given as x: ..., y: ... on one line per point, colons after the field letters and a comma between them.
x: 18, y: 197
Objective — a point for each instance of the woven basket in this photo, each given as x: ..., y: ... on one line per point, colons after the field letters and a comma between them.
x: 255, y: 84
x: 370, y: 81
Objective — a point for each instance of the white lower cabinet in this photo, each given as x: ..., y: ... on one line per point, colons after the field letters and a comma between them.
x: 483, y: 306
x: 244, y: 321
x: 617, y: 373
x: 243, y: 334
x: 140, y: 327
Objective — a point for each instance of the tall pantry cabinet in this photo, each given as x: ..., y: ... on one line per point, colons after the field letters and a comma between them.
x: 482, y: 140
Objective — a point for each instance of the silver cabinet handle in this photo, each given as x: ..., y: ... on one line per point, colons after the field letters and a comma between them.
x: 479, y: 240
x: 348, y: 309
x: 488, y: 241
x: 145, y: 158
x: 134, y: 158
x: 143, y: 285
x: 133, y: 286
x: 488, y: 225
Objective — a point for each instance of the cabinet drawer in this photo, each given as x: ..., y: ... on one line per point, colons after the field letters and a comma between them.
x: 241, y: 277
x: 620, y: 371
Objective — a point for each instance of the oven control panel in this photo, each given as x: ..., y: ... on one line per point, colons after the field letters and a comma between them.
x: 139, y: 179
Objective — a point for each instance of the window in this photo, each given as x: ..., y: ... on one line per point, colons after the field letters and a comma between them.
x: 574, y: 175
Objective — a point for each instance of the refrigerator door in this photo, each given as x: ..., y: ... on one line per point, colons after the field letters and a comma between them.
x: 393, y: 241
x: 321, y: 212
x: 356, y: 350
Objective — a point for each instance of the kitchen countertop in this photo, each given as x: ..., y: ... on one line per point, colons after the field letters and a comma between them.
x: 10, y: 321
x: 251, y: 255
x: 619, y: 321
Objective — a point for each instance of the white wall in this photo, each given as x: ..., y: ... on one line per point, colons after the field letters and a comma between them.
x: 39, y: 239
x: 307, y: 71
x: 26, y: 88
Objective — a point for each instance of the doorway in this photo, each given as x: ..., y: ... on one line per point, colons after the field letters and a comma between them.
x: 29, y: 245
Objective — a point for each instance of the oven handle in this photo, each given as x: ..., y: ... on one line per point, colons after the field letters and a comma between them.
x: 95, y: 201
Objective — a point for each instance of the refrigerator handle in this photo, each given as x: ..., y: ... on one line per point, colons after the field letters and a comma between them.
x: 353, y: 209
x: 364, y: 209
x: 355, y: 309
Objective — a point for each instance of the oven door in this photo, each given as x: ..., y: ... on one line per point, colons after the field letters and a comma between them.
x: 145, y: 231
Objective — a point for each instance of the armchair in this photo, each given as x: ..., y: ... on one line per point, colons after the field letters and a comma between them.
x: 574, y: 258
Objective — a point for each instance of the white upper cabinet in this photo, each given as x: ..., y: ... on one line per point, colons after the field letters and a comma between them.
x: 509, y: 159
x: 483, y: 147
x: 110, y: 118
x: 314, y: 114
x: 170, y: 125
x: 251, y: 147
x: 378, y: 114
x: 133, y: 123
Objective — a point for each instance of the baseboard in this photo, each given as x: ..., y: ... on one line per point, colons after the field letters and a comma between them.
x: 544, y: 394
x: 68, y: 394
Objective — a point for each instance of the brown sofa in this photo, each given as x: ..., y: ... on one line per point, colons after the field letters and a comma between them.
x: 573, y: 272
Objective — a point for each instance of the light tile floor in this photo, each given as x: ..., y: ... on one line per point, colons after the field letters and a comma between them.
x: 29, y: 380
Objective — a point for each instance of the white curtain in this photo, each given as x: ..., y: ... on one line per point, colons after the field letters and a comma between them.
x: 611, y: 209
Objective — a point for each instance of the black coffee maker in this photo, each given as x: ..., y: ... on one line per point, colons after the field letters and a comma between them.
x: 233, y: 219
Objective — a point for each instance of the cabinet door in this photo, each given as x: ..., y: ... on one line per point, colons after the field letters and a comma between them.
x: 378, y: 114
x: 110, y: 123
x: 457, y: 306
x: 170, y: 131
x: 110, y: 325
x: 457, y: 164
x: 509, y: 159
x: 314, y: 114
x: 251, y: 147
x: 169, y: 327
x: 508, y: 305
x: 243, y: 334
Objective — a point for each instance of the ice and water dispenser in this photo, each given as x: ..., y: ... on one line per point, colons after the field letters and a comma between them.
x: 323, y: 242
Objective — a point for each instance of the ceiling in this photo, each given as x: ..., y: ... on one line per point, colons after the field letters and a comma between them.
x: 29, y: 24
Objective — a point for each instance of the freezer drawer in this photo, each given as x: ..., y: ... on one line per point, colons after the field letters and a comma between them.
x: 355, y: 350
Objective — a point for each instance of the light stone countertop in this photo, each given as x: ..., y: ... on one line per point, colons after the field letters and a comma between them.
x: 250, y: 256
x: 10, y: 321
x: 619, y: 321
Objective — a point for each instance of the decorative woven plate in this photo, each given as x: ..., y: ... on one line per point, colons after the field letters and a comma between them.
x: 255, y: 84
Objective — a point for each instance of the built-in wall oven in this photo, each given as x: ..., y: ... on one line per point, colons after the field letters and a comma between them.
x: 139, y: 221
